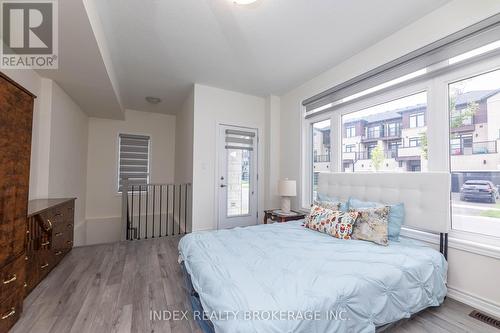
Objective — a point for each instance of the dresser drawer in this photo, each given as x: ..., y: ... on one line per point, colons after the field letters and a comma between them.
x: 63, y: 227
x: 32, y: 272
x: 62, y: 239
x: 50, y: 218
x: 44, y: 263
x: 10, y: 310
x: 12, y: 277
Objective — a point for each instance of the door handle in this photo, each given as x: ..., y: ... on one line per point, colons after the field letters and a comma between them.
x: 222, y: 185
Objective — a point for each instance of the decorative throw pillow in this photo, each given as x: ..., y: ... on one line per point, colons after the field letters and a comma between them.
x: 372, y: 225
x: 333, y: 205
x: 316, y: 215
x: 396, y: 214
x: 345, y: 224
x: 332, y: 222
x: 324, y: 197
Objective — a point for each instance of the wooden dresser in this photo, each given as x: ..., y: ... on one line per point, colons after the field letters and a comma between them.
x: 49, y: 237
x: 16, y: 115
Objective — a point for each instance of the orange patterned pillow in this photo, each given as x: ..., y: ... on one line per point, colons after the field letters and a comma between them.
x: 333, y: 222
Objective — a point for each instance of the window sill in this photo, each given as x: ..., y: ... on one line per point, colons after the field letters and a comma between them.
x: 476, y: 244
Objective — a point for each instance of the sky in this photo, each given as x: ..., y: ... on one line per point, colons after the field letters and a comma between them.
x: 488, y: 81
x: 420, y: 98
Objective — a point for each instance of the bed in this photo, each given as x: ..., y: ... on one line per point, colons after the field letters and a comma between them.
x: 286, y: 278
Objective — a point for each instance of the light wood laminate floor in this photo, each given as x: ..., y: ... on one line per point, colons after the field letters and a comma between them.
x: 113, y: 287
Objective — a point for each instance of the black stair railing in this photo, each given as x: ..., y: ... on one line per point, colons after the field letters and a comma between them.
x: 155, y: 210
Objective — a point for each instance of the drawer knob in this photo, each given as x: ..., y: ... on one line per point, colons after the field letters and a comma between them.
x: 25, y: 285
x: 58, y: 234
x: 69, y: 225
x: 10, y: 314
x: 12, y: 279
x: 58, y: 253
x: 45, y: 243
x: 69, y: 242
x: 44, y: 266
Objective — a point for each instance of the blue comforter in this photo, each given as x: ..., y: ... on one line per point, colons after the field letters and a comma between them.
x: 286, y: 278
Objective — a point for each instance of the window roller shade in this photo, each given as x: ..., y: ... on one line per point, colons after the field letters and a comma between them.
x: 236, y: 139
x: 473, y: 37
x: 134, y: 160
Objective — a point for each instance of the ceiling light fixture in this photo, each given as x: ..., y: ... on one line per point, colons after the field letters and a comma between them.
x: 243, y: 2
x: 153, y: 100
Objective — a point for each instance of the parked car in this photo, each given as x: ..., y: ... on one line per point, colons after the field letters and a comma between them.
x: 478, y: 190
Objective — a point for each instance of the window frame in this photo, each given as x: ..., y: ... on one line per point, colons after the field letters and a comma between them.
x: 418, y: 141
x: 417, y: 116
x: 349, y: 131
x: 437, y: 122
x: 352, y: 148
x: 308, y: 182
x: 468, y: 71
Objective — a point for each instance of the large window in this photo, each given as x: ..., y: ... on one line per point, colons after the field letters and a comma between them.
x: 474, y: 108
x: 321, y: 151
x: 404, y: 134
x: 390, y: 142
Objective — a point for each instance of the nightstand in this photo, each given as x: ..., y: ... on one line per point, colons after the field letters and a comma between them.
x: 276, y: 216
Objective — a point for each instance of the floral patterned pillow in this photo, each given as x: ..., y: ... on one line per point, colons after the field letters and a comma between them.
x: 332, y: 222
x: 372, y: 225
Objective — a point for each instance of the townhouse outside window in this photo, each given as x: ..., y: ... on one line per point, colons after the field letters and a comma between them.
x: 474, y: 113
x: 389, y: 142
x: 321, y: 134
x: 349, y: 148
x: 350, y: 131
x: 417, y: 120
x: 415, y: 142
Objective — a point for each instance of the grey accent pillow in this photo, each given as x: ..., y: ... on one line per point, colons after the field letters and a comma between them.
x: 333, y: 205
x: 372, y: 225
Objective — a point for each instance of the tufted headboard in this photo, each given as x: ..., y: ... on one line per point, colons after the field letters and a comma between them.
x: 426, y: 196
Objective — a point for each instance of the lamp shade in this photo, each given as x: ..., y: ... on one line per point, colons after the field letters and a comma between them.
x: 287, y: 188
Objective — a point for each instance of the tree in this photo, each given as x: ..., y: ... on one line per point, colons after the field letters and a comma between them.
x: 377, y: 157
x: 424, y: 145
x: 458, y: 117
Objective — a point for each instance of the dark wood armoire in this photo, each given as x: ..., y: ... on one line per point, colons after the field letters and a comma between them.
x: 16, y: 114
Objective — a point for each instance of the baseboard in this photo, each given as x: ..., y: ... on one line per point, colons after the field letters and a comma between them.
x: 475, y: 301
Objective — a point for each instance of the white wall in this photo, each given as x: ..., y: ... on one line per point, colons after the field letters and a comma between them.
x: 103, y: 210
x: 59, y: 145
x: 467, y: 273
x: 273, y: 120
x: 184, y: 123
x: 68, y: 155
x: 213, y: 106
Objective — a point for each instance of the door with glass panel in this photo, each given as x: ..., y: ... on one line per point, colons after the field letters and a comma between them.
x: 237, y: 176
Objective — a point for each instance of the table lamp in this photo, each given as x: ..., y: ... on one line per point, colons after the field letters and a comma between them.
x: 286, y: 189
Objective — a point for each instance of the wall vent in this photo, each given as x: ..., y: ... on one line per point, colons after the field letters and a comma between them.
x: 485, y: 318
